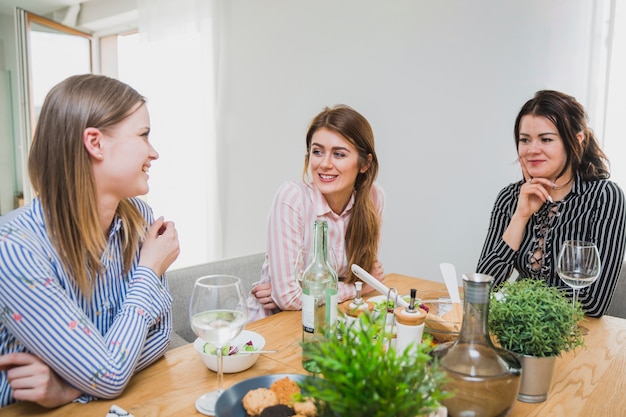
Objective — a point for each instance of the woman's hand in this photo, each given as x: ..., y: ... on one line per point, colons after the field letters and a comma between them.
x: 533, y: 194
x: 160, y: 248
x: 263, y: 293
x: 32, y: 380
x: 377, y: 272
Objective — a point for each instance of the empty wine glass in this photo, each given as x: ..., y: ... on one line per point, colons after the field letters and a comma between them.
x: 303, y: 259
x: 218, y: 313
x: 578, y: 267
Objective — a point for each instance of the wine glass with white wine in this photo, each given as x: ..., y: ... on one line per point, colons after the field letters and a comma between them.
x: 218, y: 312
x: 578, y: 267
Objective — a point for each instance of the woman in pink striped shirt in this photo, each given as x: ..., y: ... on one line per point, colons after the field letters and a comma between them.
x: 340, y: 168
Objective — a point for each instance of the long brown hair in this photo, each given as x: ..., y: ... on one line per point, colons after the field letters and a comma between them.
x: 568, y: 115
x: 60, y: 171
x: 363, y: 231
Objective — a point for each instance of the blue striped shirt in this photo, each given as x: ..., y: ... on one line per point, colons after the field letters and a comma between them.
x: 96, y: 343
x: 593, y: 211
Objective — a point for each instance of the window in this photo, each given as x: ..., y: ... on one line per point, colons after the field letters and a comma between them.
x: 179, y: 93
x: 48, y: 53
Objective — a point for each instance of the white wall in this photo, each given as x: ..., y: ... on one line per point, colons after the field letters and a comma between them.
x: 441, y: 83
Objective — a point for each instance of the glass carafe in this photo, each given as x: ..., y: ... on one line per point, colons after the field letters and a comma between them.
x: 484, y: 379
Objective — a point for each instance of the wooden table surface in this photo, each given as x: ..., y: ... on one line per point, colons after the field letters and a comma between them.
x: 587, y: 382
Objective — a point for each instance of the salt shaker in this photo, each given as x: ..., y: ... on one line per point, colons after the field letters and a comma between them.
x: 409, y: 324
x: 357, y: 306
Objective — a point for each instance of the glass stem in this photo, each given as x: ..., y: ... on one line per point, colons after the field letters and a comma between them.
x: 574, y: 301
x: 220, y: 370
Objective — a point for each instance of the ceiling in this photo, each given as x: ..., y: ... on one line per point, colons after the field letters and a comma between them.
x: 40, y: 7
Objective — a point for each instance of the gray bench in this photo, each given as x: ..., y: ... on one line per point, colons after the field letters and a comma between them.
x: 617, y: 307
x: 181, y: 281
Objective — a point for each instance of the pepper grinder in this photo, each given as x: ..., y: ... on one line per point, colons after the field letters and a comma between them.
x: 409, y: 324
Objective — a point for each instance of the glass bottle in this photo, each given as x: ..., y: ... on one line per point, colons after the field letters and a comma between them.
x: 319, y: 295
x: 485, y: 379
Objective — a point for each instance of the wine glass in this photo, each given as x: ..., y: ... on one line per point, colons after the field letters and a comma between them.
x: 578, y: 267
x: 303, y: 259
x: 218, y: 313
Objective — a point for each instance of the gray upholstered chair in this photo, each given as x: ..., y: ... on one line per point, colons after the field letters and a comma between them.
x: 617, y: 307
x: 181, y: 282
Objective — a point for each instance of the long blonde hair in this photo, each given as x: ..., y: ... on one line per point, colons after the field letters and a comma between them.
x: 363, y: 231
x: 60, y: 171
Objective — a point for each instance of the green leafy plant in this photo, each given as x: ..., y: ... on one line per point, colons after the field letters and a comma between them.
x: 361, y: 376
x: 528, y: 317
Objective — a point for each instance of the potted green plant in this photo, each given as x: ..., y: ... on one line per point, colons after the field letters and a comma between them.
x: 362, y: 376
x: 538, y: 323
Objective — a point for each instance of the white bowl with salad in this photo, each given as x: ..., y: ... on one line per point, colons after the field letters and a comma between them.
x: 237, y: 356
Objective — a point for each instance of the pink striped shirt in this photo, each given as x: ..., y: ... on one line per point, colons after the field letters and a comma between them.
x: 290, y: 227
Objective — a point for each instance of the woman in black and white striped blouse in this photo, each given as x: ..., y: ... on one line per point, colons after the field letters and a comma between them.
x: 565, y: 194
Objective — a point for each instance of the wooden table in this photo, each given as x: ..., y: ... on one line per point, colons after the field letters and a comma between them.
x: 588, y: 382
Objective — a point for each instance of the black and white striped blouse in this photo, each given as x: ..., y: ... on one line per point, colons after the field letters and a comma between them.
x: 593, y: 211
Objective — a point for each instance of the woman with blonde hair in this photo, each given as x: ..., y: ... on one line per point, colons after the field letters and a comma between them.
x: 340, y: 169
x: 83, y: 301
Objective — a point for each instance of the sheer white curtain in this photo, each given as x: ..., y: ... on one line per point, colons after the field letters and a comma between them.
x: 606, y: 93
x: 600, y: 15
x: 176, y: 41
x: 615, y: 129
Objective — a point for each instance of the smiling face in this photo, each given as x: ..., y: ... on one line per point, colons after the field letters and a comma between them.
x: 334, y: 166
x: 541, y: 148
x: 126, y: 156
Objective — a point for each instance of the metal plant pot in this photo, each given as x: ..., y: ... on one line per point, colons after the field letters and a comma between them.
x: 536, y: 378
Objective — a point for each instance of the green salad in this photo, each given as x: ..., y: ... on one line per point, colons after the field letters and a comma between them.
x: 388, y: 304
x: 229, y: 350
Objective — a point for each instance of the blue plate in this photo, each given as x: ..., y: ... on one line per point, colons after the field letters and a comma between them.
x: 229, y: 403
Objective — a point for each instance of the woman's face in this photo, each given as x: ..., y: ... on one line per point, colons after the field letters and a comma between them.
x: 334, y: 166
x: 541, y: 149
x: 126, y: 156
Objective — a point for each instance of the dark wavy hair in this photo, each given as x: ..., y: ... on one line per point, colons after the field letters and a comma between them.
x: 570, y: 118
x: 363, y: 231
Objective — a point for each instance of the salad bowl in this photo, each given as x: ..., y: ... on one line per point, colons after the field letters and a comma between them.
x: 237, y: 357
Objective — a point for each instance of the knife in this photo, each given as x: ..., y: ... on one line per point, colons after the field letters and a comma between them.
x: 379, y: 286
x: 449, y: 278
